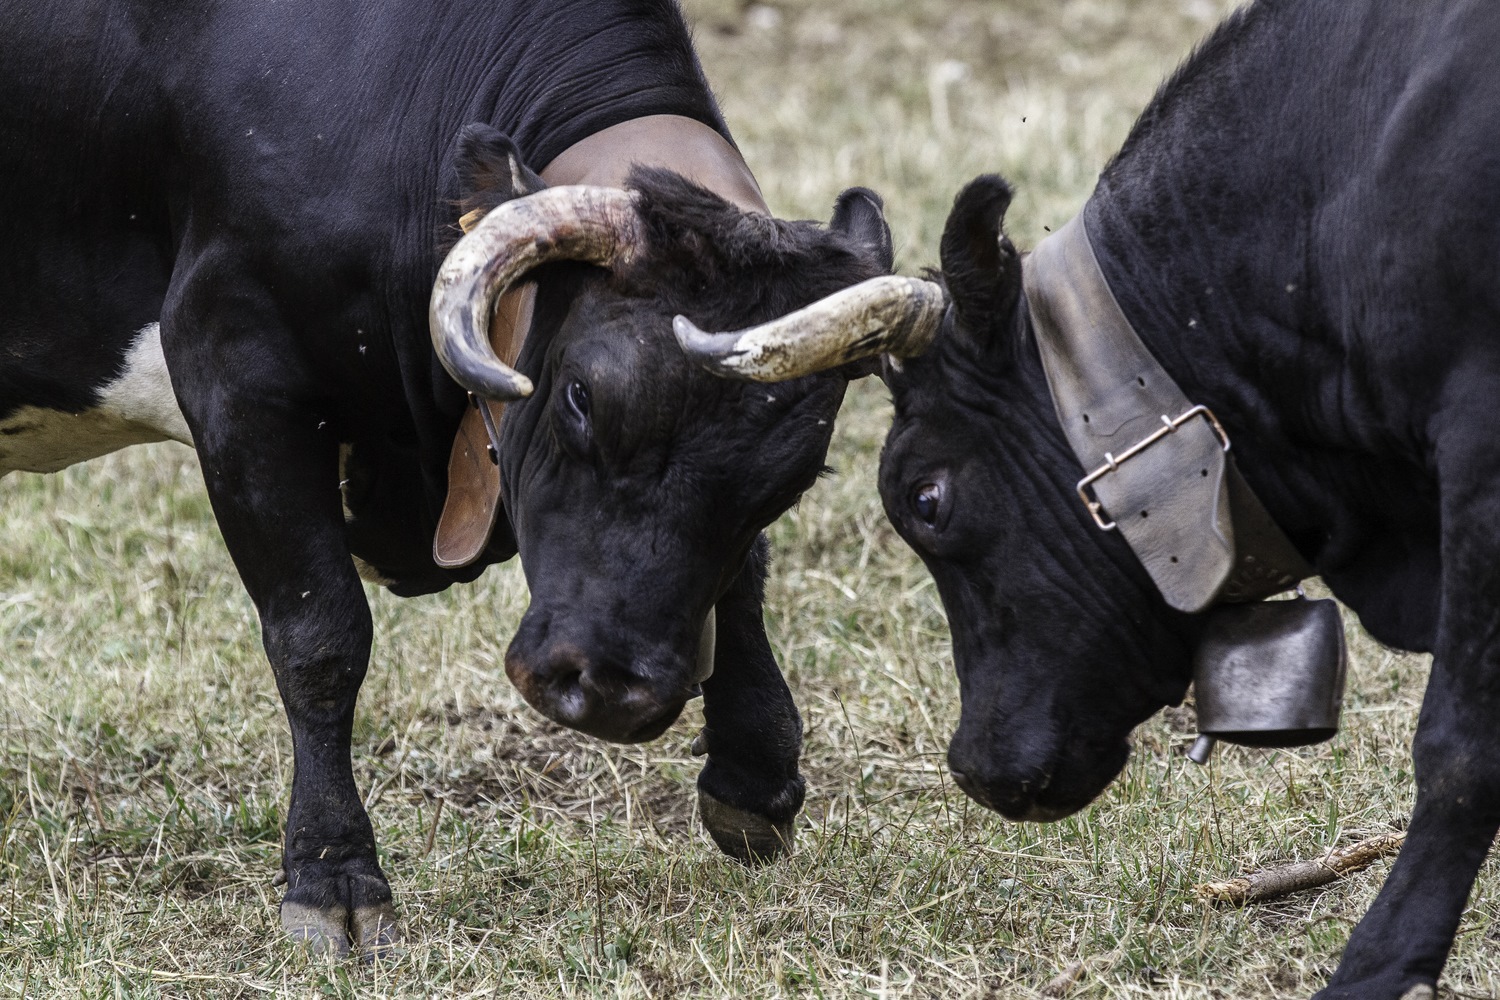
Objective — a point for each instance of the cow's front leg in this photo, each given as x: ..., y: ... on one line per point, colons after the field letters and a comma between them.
x: 750, y: 790
x: 336, y: 892
x: 271, y: 468
x: 1399, y: 948
x: 281, y: 518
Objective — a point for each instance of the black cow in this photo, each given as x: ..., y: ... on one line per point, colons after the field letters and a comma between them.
x: 221, y: 224
x: 1304, y: 229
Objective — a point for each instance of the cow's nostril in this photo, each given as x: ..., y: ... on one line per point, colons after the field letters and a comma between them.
x: 597, y: 695
x: 569, y: 700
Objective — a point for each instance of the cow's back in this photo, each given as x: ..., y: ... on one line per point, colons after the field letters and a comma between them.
x: 297, y: 147
x: 1355, y: 143
x: 1306, y: 222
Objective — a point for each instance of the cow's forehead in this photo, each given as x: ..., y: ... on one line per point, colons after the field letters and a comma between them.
x: 625, y: 346
x: 918, y: 388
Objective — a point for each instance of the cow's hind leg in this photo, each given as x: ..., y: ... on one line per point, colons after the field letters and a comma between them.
x: 750, y: 790
x: 270, y: 462
x: 1399, y: 948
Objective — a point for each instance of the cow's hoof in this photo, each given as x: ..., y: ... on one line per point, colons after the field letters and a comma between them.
x: 343, y: 914
x: 1421, y: 991
x: 744, y: 835
x: 376, y: 931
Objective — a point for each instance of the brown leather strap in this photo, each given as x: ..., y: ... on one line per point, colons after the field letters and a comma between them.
x: 683, y: 145
x: 1180, y: 503
x: 603, y: 159
x: 1268, y: 561
x: 473, y: 500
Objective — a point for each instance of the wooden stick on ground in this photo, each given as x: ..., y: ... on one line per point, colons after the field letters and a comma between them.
x: 1062, y: 984
x: 1301, y: 875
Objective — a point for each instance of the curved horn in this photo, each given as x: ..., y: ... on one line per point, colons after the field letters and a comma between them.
x: 594, y: 225
x: 890, y: 313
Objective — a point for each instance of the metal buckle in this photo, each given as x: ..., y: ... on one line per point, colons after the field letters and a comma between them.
x: 1111, y: 463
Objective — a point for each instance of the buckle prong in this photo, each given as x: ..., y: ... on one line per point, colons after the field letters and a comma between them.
x: 490, y: 430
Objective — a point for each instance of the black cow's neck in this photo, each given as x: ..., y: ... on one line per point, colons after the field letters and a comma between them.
x: 1227, y: 227
x: 1200, y: 226
x: 1199, y: 221
x: 598, y: 65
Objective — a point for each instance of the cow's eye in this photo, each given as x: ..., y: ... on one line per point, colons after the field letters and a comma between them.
x: 578, y: 398
x: 927, y: 501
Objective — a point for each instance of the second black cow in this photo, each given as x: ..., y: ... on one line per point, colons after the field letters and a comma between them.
x: 1303, y: 229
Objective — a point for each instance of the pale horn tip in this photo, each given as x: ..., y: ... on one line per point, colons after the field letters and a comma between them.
x: 498, y: 385
x: 508, y: 388
x: 714, y: 351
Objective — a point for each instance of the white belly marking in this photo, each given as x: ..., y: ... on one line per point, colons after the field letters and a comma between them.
x: 137, y: 407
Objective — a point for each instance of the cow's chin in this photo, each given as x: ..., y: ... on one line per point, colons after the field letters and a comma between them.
x: 614, y: 728
x: 1068, y: 787
x: 1041, y: 812
x: 652, y: 728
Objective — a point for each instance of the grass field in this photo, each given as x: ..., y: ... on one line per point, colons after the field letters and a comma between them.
x: 145, y: 763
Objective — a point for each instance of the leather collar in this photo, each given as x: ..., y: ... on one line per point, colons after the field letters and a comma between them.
x: 603, y: 159
x: 1158, y: 464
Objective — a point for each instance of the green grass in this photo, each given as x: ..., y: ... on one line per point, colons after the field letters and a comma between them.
x: 144, y: 760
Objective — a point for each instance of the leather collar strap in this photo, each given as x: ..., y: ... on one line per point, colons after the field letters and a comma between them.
x: 1159, y: 466
x: 603, y: 159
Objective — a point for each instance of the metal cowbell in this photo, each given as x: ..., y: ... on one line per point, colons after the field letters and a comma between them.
x: 1269, y: 674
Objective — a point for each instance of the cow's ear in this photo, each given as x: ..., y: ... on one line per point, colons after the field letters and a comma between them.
x: 980, y: 265
x: 860, y: 214
x: 490, y: 169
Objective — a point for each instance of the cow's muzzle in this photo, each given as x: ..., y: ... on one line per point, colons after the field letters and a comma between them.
x: 1027, y: 785
x: 622, y: 703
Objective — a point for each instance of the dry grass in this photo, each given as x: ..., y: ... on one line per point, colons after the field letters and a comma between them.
x: 144, y: 761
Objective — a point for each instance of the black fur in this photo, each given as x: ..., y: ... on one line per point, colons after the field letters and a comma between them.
x: 489, y: 168
x: 1304, y: 228
x: 755, y: 264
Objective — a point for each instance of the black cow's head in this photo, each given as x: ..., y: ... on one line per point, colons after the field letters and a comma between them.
x: 1061, y: 641
x: 636, y: 483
